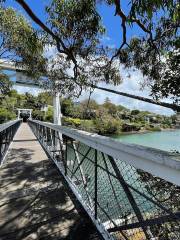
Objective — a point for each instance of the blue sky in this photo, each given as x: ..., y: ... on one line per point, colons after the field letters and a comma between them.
x: 111, y: 22
x: 113, y: 38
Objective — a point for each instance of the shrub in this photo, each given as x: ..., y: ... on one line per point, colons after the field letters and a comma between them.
x: 75, y: 122
x: 88, y: 125
x: 135, y: 112
x: 49, y: 114
x: 107, y: 125
x: 153, y: 128
x: 128, y: 127
x: 37, y: 114
x: 6, y: 115
x: 156, y: 129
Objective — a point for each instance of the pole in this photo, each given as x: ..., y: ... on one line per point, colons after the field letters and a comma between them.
x: 30, y: 114
x: 57, y: 109
x: 18, y: 114
x: 178, y: 120
x: 57, y: 116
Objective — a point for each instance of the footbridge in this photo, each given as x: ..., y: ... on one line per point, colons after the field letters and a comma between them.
x: 62, y: 183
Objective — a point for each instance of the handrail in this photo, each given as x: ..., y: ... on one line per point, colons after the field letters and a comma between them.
x: 160, y: 163
x: 4, y: 126
x: 7, y: 132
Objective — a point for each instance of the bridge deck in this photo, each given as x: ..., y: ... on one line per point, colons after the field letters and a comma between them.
x: 34, y: 204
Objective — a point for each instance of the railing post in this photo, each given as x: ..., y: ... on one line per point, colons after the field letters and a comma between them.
x: 60, y: 147
x: 65, y: 164
x: 95, y: 185
x: 1, y: 146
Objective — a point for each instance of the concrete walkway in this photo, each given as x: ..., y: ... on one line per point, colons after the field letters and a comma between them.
x: 34, y: 203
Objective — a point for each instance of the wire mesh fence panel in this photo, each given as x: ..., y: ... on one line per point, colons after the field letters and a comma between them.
x: 130, y: 203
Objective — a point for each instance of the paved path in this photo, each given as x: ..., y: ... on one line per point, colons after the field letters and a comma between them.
x: 34, y: 203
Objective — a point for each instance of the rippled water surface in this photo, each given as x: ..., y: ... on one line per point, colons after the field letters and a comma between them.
x: 164, y: 140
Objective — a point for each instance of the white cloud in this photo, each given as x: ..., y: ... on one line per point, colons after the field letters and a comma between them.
x: 50, y: 51
x: 131, y: 84
x: 24, y: 89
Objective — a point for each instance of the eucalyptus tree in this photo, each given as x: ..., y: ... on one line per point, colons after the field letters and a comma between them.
x: 5, y: 84
x: 155, y: 48
x: 19, y: 42
x: 75, y: 28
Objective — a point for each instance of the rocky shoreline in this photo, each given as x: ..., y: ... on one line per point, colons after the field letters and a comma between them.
x: 143, y: 131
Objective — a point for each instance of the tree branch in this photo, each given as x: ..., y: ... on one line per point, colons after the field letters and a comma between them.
x: 58, y: 40
x: 69, y: 53
x: 123, y: 24
x: 123, y: 16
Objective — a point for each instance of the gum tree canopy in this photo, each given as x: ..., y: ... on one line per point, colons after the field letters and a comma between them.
x: 19, y: 42
x: 5, y: 84
x: 75, y: 28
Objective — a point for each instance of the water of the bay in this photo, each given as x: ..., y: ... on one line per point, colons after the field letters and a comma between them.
x: 164, y: 140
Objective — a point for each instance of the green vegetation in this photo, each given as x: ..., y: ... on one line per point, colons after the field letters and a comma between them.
x: 5, y: 84
x: 19, y: 42
x: 13, y: 100
x: 75, y: 30
x: 6, y: 115
x: 108, y: 118
x: 105, y: 119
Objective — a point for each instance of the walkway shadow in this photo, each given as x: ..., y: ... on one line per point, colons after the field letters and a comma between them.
x: 35, y: 201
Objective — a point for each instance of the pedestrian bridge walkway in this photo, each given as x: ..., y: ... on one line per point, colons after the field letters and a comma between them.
x: 61, y: 183
x: 34, y: 204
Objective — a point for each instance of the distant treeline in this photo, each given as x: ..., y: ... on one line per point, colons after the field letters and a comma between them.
x: 106, y: 118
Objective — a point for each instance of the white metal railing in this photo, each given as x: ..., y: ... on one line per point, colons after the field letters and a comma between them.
x: 160, y: 163
x: 129, y: 191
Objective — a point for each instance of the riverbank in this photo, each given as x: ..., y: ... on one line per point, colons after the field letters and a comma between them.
x: 111, y: 127
x: 142, y: 131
